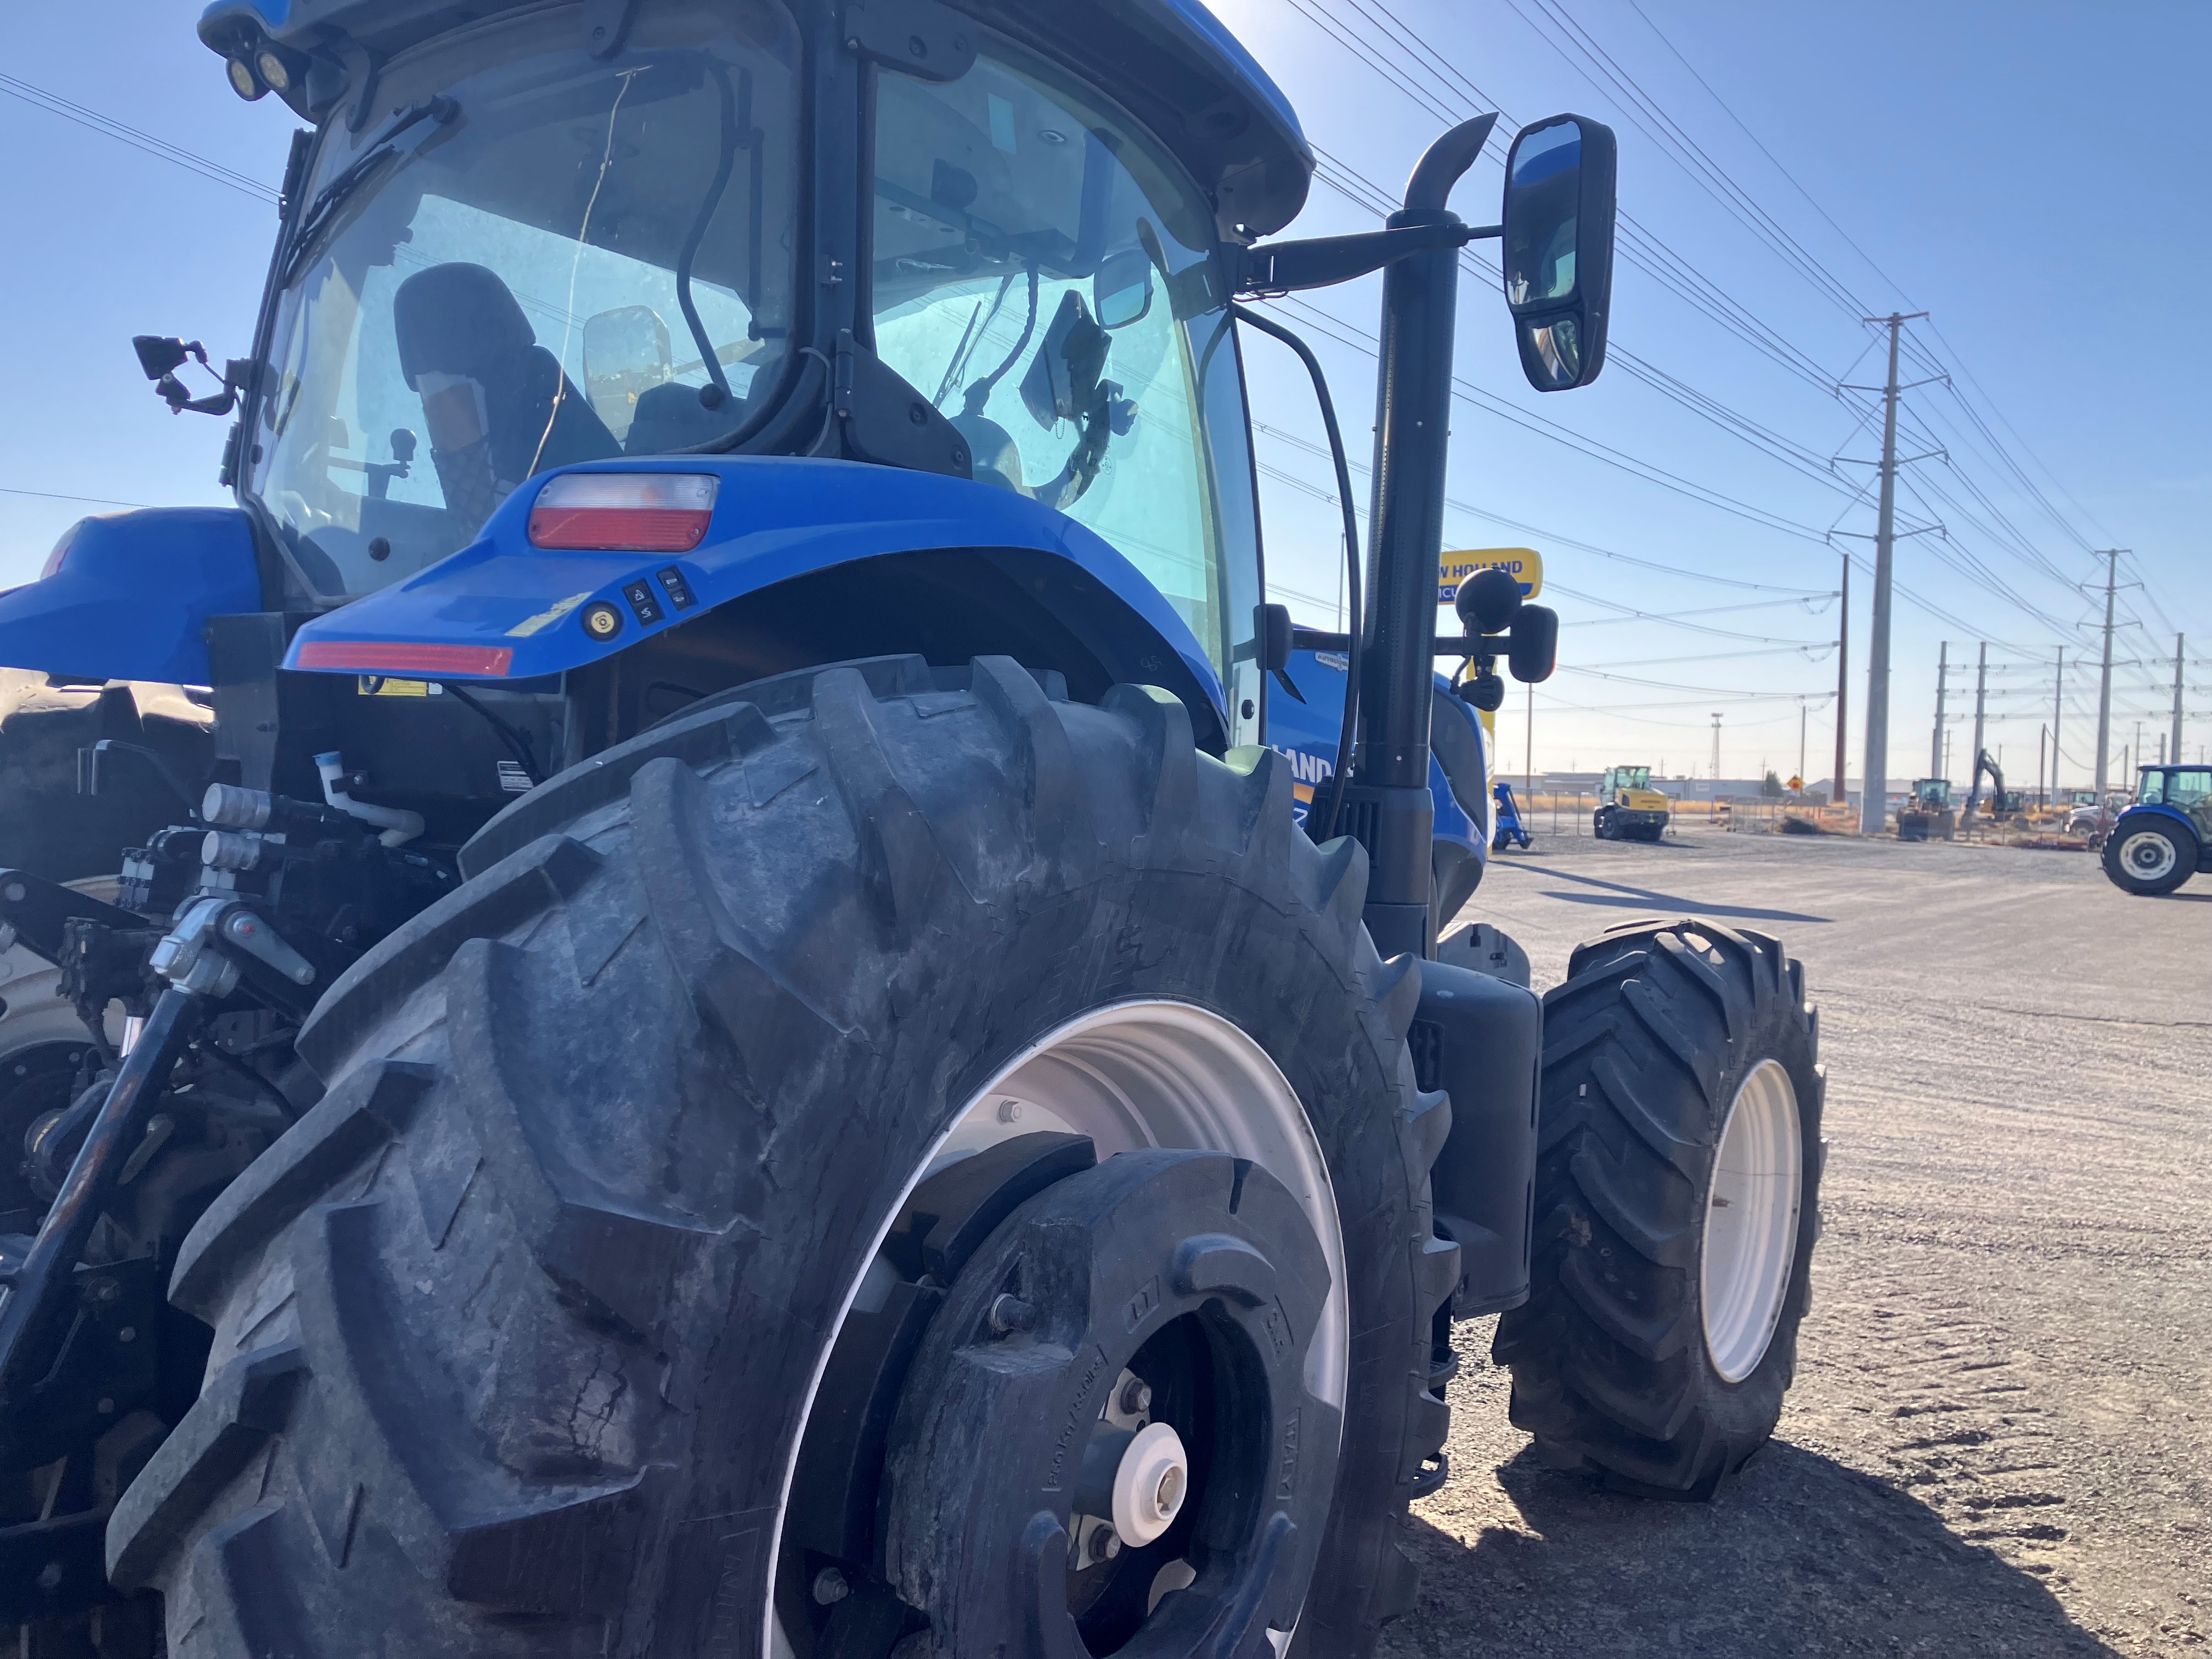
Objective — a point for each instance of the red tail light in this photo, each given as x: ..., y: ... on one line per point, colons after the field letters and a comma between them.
x: 396, y: 657
x: 624, y: 512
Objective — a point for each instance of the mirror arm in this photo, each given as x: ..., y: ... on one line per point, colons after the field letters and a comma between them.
x: 1325, y: 261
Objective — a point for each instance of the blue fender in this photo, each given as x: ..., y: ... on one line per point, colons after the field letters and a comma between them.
x: 132, y: 594
x: 501, y: 609
x: 1306, y: 734
x: 2171, y: 815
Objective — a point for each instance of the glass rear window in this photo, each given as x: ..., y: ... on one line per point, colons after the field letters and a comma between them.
x: 586, y: 258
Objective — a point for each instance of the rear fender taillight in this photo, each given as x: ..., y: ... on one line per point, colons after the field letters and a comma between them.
x: 624, y: 512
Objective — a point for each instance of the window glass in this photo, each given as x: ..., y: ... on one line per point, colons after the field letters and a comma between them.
x: 587, y: 258
x: 1043, y: 272
x: 2182, y: 789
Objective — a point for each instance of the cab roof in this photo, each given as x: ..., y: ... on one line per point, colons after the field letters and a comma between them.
x: 1171, y: 63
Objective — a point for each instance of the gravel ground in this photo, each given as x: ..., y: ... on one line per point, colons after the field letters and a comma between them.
x: 1999, y: 1440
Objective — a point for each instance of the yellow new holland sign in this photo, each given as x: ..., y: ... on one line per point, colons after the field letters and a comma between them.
x: 1454, y: 567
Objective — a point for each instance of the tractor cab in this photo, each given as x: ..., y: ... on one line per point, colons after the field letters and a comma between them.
x: 1623, y: 778
x: 564, y: 237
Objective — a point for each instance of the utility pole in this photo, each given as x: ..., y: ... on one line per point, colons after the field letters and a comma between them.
x: 1801, y: 743
x: 2173, y: 746
x: 1716, y: 753
x: 1942, y: 679
x: 1974, y: 761
x: 1874, y: 812
x: 1841, y: 797
x: 2041, y: 798
x: 1528, y: 749
x: 2105, y: 679
x: 2057, y: 707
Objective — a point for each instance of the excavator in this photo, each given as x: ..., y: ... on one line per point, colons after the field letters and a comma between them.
x: 2003, y: 803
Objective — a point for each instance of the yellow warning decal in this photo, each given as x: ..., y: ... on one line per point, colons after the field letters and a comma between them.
x: 544, y: 619
x: 376, y: 685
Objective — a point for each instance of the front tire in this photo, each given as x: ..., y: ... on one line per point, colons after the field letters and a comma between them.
x: 1677, y: 1189
x: 519, y: 1331
x: 2150, y: 858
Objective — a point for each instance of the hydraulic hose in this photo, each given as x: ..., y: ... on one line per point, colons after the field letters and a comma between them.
x: 39, y: 1296
x: 1348, y: 733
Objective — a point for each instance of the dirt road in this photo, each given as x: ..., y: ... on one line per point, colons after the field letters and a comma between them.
x: 2000, y: 1441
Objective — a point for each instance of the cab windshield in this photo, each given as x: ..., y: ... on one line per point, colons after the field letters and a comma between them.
x: 2184, y: 789
x: 1043, y: 271
x: 528, y: 257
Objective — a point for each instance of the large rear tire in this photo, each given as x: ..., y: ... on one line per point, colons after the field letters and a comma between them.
x: 2150, y: 858
x: 518, y: 1330
x: 1677, y: 1189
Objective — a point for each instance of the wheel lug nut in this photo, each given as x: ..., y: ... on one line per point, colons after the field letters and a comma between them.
x: 1010, y: 1314
x: 1109, y: 1544
x: 831, y: 1588
x: 1136, y: 1397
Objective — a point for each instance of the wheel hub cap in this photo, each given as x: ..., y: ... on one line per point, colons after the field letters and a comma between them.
x: 1751, y: 1221
x: 2147, y: 856
x: 1149, y: 1484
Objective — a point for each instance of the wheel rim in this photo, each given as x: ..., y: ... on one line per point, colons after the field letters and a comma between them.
x: 1130, y: 1075
x: 1751, y: 1221
x: 2147, y: 855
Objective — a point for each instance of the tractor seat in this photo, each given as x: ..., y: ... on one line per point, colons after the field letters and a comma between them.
x: 496, y: 404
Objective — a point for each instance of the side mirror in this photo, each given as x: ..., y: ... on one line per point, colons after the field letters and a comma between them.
x: 1121, y: 288
x: 1062, y: 381
x: 159, y: 357
x: 626, y: 352
x: 1277, y: 639
x: 1557, y: 248
x: 1534, y: 650
x: 1275, y: 633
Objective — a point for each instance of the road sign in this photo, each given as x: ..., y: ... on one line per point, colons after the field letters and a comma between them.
x: 1454, y: 567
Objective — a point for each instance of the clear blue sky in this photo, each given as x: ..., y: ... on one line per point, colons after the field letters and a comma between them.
x: 2030, y: 174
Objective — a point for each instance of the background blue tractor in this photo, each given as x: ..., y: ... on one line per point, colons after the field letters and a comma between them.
x: 2166, y: 836
x: 727, y: 1041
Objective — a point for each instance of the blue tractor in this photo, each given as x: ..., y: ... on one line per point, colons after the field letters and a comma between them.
x: 2166, y: 836
x: 728, y: 1041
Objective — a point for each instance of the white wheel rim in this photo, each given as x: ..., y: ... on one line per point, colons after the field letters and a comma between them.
x: 1751, y: 1221
x: 2147, y: 855
x: 1131, y: 1075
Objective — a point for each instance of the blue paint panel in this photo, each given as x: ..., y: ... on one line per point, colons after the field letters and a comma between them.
x: 2136, y: 815
x: 1307, y: 732
x: 133, y: 596
x: 776, y: 517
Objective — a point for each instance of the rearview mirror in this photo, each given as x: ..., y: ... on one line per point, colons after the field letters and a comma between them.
x: 1062, y: 381
x: 1557, y: 248
x: 1121, y: 288
x: 626, y: 352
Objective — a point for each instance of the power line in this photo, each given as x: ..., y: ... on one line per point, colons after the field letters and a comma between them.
x: 1549, y: 536
x: 160, y: 148
x: 51, y: 495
